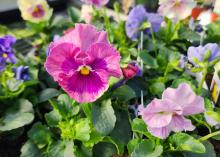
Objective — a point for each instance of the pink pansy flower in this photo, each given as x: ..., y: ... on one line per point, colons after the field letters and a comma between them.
x: 82, y: 62
x: 97, y: 3
x: 168, y: 114
x: 176, y: 9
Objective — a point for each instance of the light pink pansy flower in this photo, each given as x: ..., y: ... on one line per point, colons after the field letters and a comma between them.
x: 168, y: 114
x: 82, y: 62
x: 97, y: 3
x: 176, y: 9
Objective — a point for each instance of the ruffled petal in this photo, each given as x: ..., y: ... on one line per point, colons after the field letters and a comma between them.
x: 108, y: 58
x: 186, y: 98
x: 83, y: 36
x: 61, y: 60
x: 161, y: 133
x: 85, y: 88
x: 179, y: 123
x: 159, y: 113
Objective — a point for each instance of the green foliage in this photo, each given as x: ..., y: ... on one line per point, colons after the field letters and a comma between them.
x: 17, y: 115
x: 103, y: 117
x: 185, y: 142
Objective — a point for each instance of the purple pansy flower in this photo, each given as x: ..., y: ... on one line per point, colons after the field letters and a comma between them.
x: 21, y: 73
x: 6, y: 50
x: 137, y: 17
x: 82, y: 62
x: 168, y: 114
x: 199, y: 52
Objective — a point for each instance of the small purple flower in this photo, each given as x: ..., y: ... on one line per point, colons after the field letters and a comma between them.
x: 21, y: 73
x: 6, y: 50
x: 200, y: 51
x: 169, y: 113
x: 137, y: 17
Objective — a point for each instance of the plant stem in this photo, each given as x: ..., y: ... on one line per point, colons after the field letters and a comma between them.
x: 153, y: 40
x: 202, y: 81
x: 202, y: 123
x: 209, y: 136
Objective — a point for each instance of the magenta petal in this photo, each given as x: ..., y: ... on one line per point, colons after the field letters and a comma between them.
x: 85, y: 88
x: 186, y: 98
x: 109, y: 55
x: 61, y: 60
x: 83, y: 36
x: 162, y: 132
x: 159, y: 113
x: 179, y: 123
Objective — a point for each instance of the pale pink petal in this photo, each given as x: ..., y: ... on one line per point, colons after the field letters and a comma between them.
x: 179, y: 123
x: 159, y: 113
x: 186, y: 98
x: 161, y: 133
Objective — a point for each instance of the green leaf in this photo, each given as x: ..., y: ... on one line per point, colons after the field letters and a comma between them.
x: 95, y: 138
x: 210, y: 151
x: 67, y: 106
x: 124, y: 93
x: 185, y: 142
x: 53, y: 118
x: 29, y: 149
x: 157, y: 88
x: 61, y: 149
x: 48, y: 94
x: 148, y: 59
x: 138, y: 84
x: 74, y: 14
x: 82, y: 130
x: 139, y: 126
x: 103, y: 117
x: 132, y: 144
x: 147, y: 149
x: 40, y: 135
x: 122, y: 129
x: 18, y: 115
x: 104, y: 149
x: 75, y: 129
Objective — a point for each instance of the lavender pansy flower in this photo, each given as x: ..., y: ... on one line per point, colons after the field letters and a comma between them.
x: 21, y: 73
x: 200, y: 51
x: 137, y: 17
x: 169, y: 113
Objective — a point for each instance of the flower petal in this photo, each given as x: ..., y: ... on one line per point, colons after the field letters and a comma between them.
x: 179, y: 123
x: 159, y: 113
x: 61, y: 60
x: 83, y: 36
x: 108, y: 57
x: 85, y: 88
x: 186, y: 98
x: 162, y: 132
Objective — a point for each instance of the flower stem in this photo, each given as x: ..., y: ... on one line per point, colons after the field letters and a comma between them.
x: 153, y: 40
x: 209, y: 136
x: 204, y: 73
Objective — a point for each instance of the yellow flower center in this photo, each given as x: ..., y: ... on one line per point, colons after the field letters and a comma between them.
x: 85, y: 70
x: 4, y: 55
